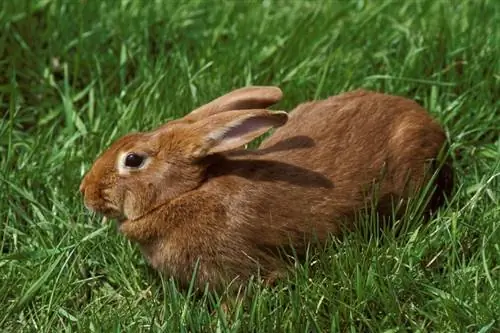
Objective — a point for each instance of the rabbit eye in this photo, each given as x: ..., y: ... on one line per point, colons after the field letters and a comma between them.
x: 133, y: 160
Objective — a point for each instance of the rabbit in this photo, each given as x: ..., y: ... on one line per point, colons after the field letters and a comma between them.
x: 197, y: 202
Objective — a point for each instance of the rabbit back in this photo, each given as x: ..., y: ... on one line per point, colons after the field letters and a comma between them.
x: 360, y: 138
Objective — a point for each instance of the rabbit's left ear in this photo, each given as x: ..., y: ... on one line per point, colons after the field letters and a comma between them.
x: 252, y: 97
x: 231, y: 130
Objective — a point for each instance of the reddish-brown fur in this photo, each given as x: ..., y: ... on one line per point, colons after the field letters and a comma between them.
x: 233, y: 209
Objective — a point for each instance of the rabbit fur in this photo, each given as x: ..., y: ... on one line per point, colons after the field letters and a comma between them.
x: 199, y: 199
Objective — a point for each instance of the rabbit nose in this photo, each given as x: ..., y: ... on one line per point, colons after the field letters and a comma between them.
x: 82, y: 188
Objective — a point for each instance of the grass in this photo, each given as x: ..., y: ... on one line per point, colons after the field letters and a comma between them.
x: 75, y: 75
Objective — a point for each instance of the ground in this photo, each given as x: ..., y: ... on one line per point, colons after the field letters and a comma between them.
x: 77, y: 74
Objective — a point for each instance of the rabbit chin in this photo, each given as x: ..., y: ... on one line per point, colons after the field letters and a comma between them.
x: 115, y: 215
x: 109, y: 213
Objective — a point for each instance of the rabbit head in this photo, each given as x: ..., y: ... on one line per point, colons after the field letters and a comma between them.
x: 141, y: 171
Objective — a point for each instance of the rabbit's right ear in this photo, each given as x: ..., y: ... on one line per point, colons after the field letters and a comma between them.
x: 230, y: 130
x: 252, y: 97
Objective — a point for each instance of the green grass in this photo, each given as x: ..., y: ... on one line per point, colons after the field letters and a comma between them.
x: 75, y: 75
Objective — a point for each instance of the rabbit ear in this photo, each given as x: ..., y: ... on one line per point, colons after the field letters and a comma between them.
x: 232, y: 129
x: 252, y: 97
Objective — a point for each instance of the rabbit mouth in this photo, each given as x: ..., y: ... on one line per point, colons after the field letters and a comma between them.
x: 111, y: 211
x: 105, y: 208
x: 112, y: 214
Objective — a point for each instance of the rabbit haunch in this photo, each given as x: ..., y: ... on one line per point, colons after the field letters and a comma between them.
x: 200, y: 199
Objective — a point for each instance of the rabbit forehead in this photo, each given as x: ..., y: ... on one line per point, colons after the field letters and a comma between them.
x: 173, y: 138
x: 135, y: 142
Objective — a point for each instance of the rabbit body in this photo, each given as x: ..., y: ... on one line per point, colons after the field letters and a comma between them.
x: 227, y: 211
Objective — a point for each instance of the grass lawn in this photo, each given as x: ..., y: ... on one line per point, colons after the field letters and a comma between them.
x: 77, y: 74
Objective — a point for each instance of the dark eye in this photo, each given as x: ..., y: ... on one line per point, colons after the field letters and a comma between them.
x: 134, y: 160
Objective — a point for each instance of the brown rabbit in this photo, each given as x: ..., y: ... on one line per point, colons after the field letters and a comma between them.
x: 190, y: 196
